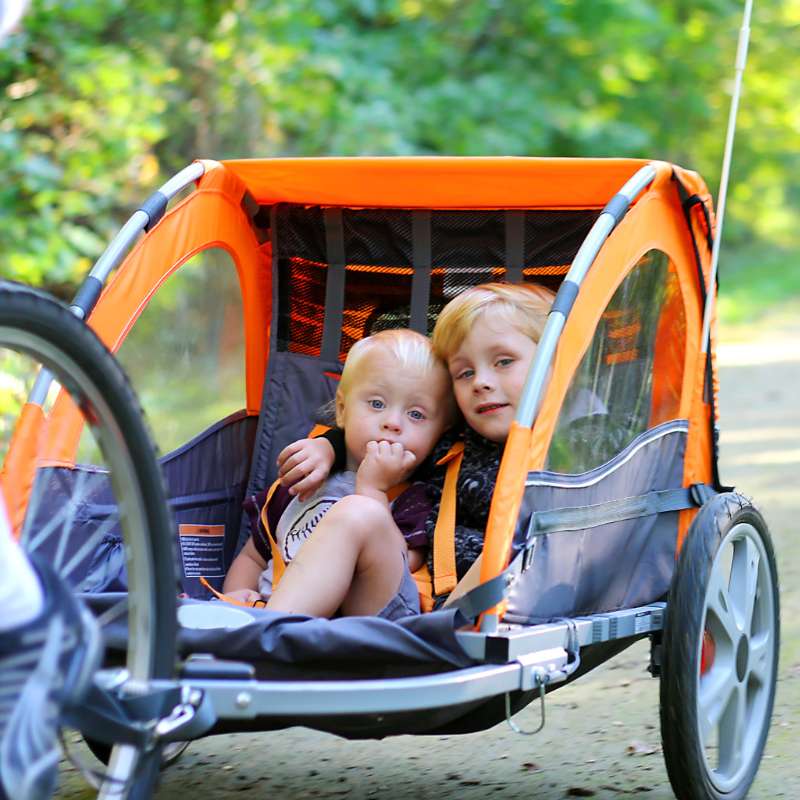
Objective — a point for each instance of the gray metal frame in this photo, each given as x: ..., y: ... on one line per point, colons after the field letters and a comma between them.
x: 139, y: 220
x: 537, y: 654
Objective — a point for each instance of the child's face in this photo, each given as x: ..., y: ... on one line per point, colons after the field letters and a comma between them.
x: 488, y: 372
x: 393, y: 403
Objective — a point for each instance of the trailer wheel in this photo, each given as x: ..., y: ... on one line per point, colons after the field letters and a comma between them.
x: 720, y: 652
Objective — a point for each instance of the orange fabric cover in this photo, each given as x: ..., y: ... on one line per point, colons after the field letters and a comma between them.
x: 213, y: 216
x: 444, y: 552
x: 504, y: 509
x: 668, y: 360
x: 436, y: 182
x: 656, y: 221
x: 19, y: 467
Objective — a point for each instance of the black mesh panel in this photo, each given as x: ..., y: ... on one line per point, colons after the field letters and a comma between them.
x: 467, y: 248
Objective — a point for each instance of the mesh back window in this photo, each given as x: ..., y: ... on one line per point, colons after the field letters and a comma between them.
x: 382, y: 249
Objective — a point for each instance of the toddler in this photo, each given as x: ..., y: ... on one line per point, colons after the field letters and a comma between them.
x: 393, y: 403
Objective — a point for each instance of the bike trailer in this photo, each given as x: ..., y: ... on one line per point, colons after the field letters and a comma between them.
x: 608, y: 511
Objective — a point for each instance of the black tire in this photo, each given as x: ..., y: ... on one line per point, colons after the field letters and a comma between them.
x: 38, y: 331
x: 720, y: 652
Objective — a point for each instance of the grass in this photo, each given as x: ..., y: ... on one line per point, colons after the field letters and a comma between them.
x: 758, y: 283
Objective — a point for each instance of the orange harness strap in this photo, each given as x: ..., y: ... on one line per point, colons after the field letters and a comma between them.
x: 444, y: 547
x: 278, y: 564
x: 226, y: 598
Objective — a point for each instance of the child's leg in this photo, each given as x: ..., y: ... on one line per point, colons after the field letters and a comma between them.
x: 353, y: 561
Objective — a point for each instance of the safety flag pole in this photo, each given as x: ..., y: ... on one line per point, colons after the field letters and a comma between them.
x: 741, y: 60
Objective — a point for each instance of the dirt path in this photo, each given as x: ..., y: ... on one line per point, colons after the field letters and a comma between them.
x: 601, y: 738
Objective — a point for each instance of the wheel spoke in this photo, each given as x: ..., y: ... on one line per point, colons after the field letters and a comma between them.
x: 115, y: 612
x: 89, y: 544
x: 760, y: 660
x: 715, y: 692
x: 719, y: 604
x: 60, y: 523
x: 69, y: 517
x: 744, y: 582
x: 732, y: 731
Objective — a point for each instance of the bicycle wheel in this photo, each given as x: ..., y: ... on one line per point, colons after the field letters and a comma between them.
x: 85, y: 491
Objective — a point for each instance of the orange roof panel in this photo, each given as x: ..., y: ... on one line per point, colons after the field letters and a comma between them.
x: 437, y: 181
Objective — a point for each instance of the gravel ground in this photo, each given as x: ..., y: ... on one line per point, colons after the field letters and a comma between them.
x: 601, y: 739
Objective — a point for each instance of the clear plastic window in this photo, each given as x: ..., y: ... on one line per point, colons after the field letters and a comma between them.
x: 185, y: 354
x: 630, y: 378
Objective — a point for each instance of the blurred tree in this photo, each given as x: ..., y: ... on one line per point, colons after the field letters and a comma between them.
x: 103, y: 99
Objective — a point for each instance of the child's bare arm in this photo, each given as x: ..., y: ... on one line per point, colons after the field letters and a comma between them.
x: 245, y: 570
x: 385, y: 465
x: 304, y: 465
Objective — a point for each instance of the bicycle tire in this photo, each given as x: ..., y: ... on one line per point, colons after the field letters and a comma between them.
x: 46, y: 332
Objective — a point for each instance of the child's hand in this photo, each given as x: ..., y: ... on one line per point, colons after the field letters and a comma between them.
x: 385, y: 465
x: 247, y: 596
x: 304, y: 465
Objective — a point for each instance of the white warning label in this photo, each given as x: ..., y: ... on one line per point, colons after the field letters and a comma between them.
x: 202, y: 550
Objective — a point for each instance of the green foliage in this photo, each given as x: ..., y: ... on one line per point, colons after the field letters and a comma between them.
x: 758, y: 282
x: 104, y: 99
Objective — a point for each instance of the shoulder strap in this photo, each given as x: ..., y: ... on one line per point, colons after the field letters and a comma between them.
x: 422, y: 577
x: 278, y: 564
x: 444, y: 547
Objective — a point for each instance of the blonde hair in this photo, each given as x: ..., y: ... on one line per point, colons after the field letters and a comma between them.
x: 409, y: 348
x: 525, y: 306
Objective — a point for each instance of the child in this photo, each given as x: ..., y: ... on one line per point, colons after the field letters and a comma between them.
x: 487, y: 336
x: 393, y: 403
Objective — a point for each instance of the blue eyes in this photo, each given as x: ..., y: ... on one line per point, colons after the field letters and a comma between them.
x: 380, y: 405
x: 465, y: 374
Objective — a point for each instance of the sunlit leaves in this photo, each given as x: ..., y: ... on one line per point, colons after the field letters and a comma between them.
x: 103, y: 99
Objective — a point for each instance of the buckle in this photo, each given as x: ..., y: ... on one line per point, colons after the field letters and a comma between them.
x: 701, y: 493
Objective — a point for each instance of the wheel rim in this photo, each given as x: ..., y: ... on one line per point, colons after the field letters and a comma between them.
x: 734, y: 688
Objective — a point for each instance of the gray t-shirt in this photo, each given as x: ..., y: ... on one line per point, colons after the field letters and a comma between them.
x: 300, y: 519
